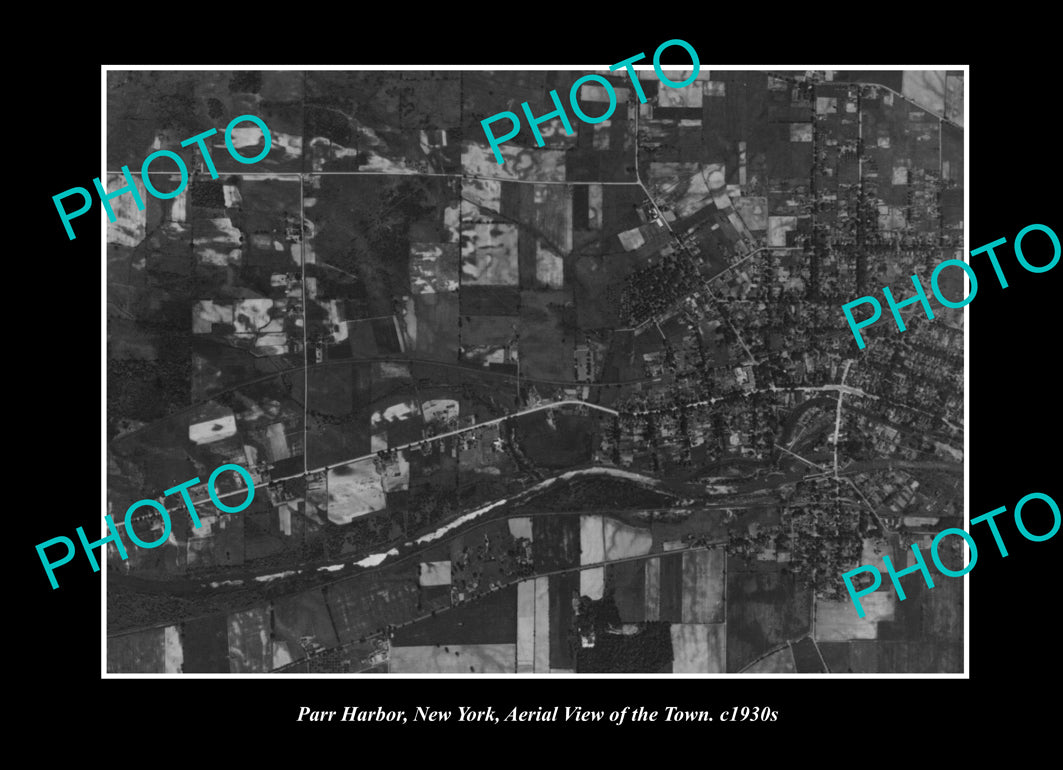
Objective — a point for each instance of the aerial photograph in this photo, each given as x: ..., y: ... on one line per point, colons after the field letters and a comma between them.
x: 593, y: 409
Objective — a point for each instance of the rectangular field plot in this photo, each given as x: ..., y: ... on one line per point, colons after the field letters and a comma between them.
x: 489, y: 254
x: 649, y: 651
x: 488, y: 339
x: 699, y: 648
x: 904, y: 657
x: 354, y: 490
x: 432, y: 326
x: 807, y: 658
x: 303, y: 622
x: 533, y: 626
x: 353, y: 222
x: 779, y: 662
x: 500, y: 402
x: 703, y: 586
x: 526, y: 627
x: 411, y: 115
x: 670, y: 588
x: 764, y: 609
x: 137, y: 653
x: 547, y: 335
x: 250, y: 645
x: 206, y: 645
x: 555, y: 439
x: 453, y: 659
x: 365, y: 604
x: 337, y: 413
x: 488, y: 619
x: 592, y: 551
x: 555, y: 542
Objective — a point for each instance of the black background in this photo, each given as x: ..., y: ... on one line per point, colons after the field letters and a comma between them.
x: 1014, y: 424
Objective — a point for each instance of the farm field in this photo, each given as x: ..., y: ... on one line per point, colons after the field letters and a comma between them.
x: 764, y: 609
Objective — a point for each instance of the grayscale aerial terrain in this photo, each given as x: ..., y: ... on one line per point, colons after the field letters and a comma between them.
x: 595, y: 409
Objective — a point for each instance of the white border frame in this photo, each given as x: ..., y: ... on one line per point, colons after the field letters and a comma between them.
x: 106, y: 68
